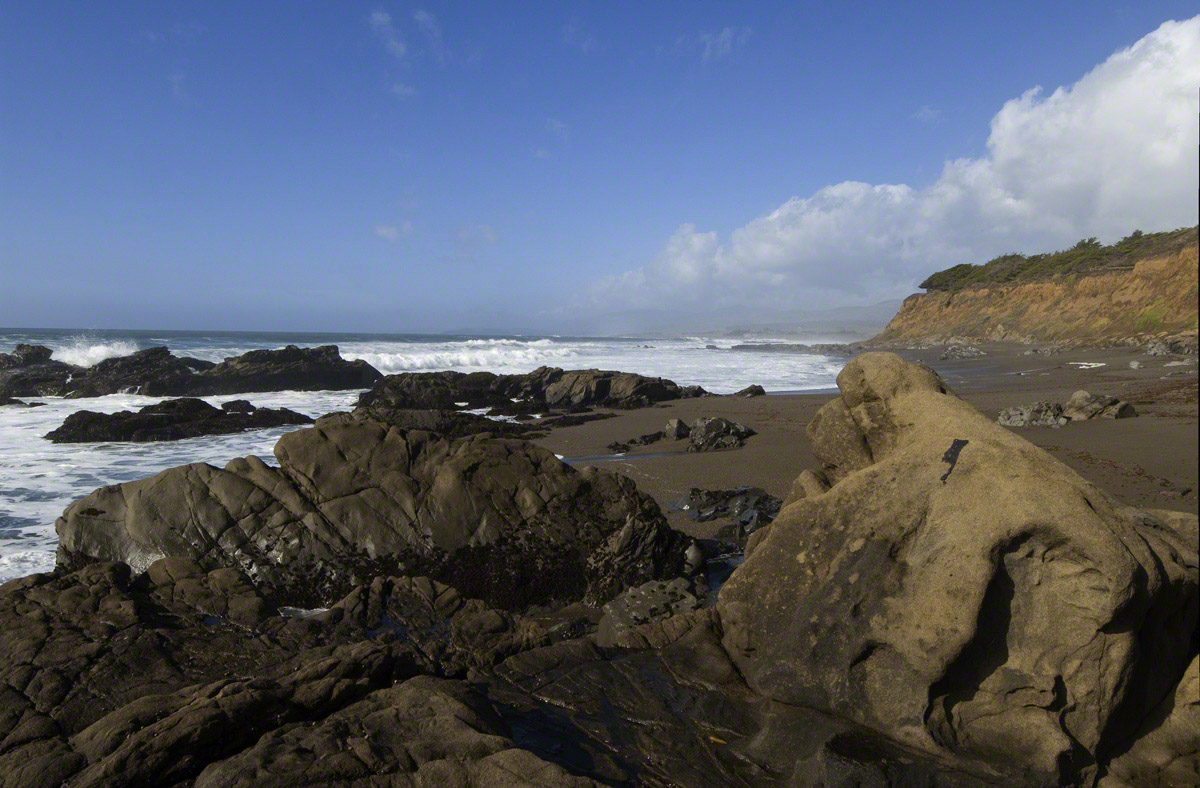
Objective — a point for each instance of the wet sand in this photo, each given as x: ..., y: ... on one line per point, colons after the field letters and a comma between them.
x: 1149, y: 461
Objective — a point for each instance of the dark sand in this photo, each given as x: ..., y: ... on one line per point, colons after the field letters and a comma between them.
x: 1148, y: 461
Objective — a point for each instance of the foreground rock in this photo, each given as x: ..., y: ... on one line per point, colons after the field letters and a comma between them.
x: 751, y: 508
x: 29, y: 371
x: 948, y: 585
x: 170, y: 420
x: 501, y: 520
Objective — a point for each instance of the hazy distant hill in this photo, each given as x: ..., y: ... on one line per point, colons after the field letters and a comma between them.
x: 1143, y: 285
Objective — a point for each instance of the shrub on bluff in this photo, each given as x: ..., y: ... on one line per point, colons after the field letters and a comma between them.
x: 945, y: 582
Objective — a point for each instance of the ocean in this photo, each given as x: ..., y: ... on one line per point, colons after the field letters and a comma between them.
x: 38, y: 479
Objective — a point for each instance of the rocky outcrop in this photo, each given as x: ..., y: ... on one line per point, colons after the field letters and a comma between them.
x: 948, y: 585
x: 447, y: 423
x: 170, y: 420
x: 750, y: 508
x: 1153, y: 297
x: 657, y: 599
x: 712, y: 433
x: 676, y: 430
x: 29, y: 371
x: 1182, y: 344
x: 961, y: 352
x: 751, y: 391
x: 501, y: 520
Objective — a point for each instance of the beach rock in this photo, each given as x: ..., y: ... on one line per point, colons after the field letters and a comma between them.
x: 1167, y: 748
x: 1135, y: 365
x: 169, y: 420
x: 1180, y: 345
x: 14, y: 401
x: 676, y: 430
x: 713, y: 432
x: 751, y: 507
x: 288, y: 369
x: 1039, y: 414
x: 544, y: 388
x: 237, y: 406
x: 30, y: 372
x: 447, y: 423
x: 25, y: 356
x: 571, y: 420
x: 151, y: 371
x: 964, y: 593
x: 751, y: 391
x: 501, y: 520
x: 647, y: 602
x: 961, y: 351
x: 1083, y: 406
x: 616, y: 447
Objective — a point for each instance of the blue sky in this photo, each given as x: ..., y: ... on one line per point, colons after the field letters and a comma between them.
x: 399, y: 167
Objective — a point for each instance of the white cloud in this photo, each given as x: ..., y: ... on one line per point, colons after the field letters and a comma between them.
x: 392, y: 233
x: 477, y: 235
x: 722, y: 44
x: 433, y: 35
x: 383, y: 28
x: 1114, y: 152
x: 402, y: 89
x: 574, y: 36
x: 927, y: 114
x: 559, y: 128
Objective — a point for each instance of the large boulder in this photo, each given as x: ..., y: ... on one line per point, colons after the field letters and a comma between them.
x: 170, y: 420
x: 30, y: 372
x: 949, y: 585
x: 288, y: 369
x: 151, y: 371
x: 501, y: 520
x: 711, y: 433
x: 1039, y: 414
x: 1083, y: 406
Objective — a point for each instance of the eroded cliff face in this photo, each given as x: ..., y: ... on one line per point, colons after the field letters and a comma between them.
x: 1156, y: 297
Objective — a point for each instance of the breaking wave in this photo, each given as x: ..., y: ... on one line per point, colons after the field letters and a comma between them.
x: 83, y: 353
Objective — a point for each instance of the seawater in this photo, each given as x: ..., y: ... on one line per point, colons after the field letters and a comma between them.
x: 38, y: 479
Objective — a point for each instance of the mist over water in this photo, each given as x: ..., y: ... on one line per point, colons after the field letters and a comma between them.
x: 38, y: 479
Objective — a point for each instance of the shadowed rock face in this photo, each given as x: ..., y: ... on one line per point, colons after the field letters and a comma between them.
x: 991, y: 607
x: 502, y: 520
x: 30, y: 371
x: 170, y: 420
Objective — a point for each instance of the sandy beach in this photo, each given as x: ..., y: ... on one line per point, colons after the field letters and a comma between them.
x: 1148, y: 462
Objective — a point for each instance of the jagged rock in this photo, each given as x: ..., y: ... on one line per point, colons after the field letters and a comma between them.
x: 545, y: 387
x: 963, y: 593
x: 153, y: 371
x: 751, y: 391
x: 1083, y: 406
x: 751, y: 507
x: 961, y: 351
x: 1182, y: 345
x: 501, y: 520
x: 616, y: 447
x: 676, y: 429
x: 713, y: 432
x: 647, y: 602
x: 1039, y: 414
x: 30, y: 372
x: 447, y: 423
x: 169, y: 420
x: 238, y: 406
x: 288, y: 369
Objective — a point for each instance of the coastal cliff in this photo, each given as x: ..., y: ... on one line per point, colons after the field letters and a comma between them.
x: 1139, y: 288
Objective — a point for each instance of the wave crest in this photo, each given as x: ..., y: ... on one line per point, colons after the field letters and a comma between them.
x: 500, y: 354
x: 82, y: 353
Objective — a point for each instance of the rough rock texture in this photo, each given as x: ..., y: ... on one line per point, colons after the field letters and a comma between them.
x: 1167, y: 750
x: 288, y: 369
x: 1083, y: 406
x: 30, y: 372
x: 1039, y: 414
x: 751, y: 391
x: 653, y: 600
x: 750, y: 507
x: 180, y: 675
x: 960, y: 591
x: 714, y: 432
x: 501, y: 520
x: 169, y: 420
x: 961, y: 351
x: 1182, y: 344
x: 153, y: 371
